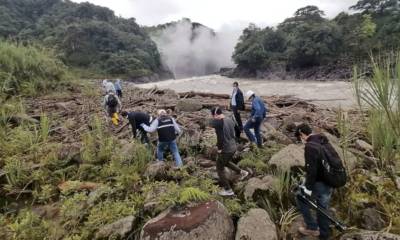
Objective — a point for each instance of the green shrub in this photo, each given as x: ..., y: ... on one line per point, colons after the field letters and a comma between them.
x: 29, y: 70
x: 28, y: 226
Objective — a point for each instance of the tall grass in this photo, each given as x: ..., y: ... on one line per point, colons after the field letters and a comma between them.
x: 29, y: 70
x: 380, y: 93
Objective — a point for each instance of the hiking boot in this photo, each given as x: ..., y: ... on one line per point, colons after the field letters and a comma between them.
x: 243, y: 175
x: 307, y: 232
x: 226, y: 193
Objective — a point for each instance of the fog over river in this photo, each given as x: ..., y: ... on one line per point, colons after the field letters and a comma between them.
x: 329, y: 93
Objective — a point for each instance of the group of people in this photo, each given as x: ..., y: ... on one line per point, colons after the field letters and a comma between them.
x: 112, y: 102
x: 228, y: 130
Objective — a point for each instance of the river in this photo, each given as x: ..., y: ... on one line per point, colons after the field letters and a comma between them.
x: 322, y: 93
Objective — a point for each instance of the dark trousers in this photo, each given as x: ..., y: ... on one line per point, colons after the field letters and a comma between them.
x: 322, y: 193
x: 239, y: 127
x: 256, y: 126
x: 225, y: 160
x: 119, y: 93
x: 143, y: 135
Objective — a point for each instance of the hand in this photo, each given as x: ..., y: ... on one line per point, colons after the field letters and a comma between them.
x: 253, y: 120
x: 219, y: 151
x: 305, y: 190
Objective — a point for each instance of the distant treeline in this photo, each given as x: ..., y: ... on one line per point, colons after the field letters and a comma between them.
x: 309, y: 39
x: 84, y: 35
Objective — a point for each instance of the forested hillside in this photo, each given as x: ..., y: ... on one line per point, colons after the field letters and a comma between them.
x: 309, y: 39
x: 84, y: 35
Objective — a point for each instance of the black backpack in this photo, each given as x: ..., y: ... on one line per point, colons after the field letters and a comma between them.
x: 334, y: 173
x: 112, y: 100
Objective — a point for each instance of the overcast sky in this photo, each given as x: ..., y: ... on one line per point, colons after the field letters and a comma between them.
x: 217, y: 13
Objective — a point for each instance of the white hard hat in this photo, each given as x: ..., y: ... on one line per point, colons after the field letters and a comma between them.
x: 162, y: 112
x: 249, y: 94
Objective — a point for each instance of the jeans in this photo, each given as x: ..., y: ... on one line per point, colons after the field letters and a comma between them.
x: 322, y: 193
x: 239, y: 127
x: 173, y: 147
x: 256, y: 125
x: 224, y: 160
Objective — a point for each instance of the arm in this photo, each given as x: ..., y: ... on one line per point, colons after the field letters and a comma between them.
x: 176, y: 126
x: 311, y: 155
x: 152, y: 128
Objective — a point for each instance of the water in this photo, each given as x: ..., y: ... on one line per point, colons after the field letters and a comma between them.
x: 327, y: 94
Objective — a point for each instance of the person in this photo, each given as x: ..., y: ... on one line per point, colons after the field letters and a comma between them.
x: 112, y: 105
x: 167, y: 130
x: 136, y: 119
x: 108, y: 86
x: 118, y: 88
x: 258, y: 113
x: 314, y: 184
x: 237, y: 103
x: 226, y: 144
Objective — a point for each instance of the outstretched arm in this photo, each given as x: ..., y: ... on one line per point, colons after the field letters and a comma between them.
x: 152, y: 128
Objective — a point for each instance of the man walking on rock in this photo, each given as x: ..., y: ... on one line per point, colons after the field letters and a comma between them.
x: 258, y: 113
x: 237, y: 104
x: 167, y: 130
x: 136, y: 119
x: 226, y: 143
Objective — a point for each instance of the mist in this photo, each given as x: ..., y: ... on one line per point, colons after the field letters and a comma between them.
x: 188, y: 52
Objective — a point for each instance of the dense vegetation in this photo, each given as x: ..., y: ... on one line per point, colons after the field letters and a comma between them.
x: 84, y: 35
x: 309, y: 39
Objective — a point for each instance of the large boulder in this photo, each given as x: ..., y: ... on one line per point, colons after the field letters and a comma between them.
x: 120, y: 229
x: 348, y: 158
x: 188, y: 105
x: 204, y: 221
x: 364, y: 146
x: 271, y: 134
x: 254, y: 184
x: 256, y: 225
x: 288, y: 157
x: 157, y: 170
x: 369, y: 235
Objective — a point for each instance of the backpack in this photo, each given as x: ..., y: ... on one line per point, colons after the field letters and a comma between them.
x: 112, y: 100
x: 334, y: 173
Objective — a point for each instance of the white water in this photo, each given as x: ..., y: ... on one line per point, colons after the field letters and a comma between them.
x: 329, y: 93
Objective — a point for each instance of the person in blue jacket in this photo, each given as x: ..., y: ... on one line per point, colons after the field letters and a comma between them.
x: 258, y: 113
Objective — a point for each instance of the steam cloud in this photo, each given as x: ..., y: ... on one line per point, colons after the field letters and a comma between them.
x: 196, y: 52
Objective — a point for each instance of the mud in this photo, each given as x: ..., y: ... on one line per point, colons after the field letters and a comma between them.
x: 324, y: 94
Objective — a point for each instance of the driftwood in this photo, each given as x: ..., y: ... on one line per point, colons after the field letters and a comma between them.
x: 207, y: 95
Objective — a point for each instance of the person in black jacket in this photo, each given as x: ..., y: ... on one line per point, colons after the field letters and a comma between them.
x: 314, y: 184
x: 224, y: 128
x: 237, y: 104
x: 135, y: 119
x: 167, y: 130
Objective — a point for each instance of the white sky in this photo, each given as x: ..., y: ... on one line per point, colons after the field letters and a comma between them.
x: 217, y: 13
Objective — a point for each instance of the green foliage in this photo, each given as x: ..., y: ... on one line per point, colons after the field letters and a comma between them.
x: 191, y: 194
x: 237, y: 207
x: 28, y: 226
x: 84, y: 35
x: 309, y: 39
x: 74, y: 210
x: 29, y: 70
x: 258, y: 159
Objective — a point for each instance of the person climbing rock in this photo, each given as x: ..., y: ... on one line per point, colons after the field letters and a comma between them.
x: 112, y: 105
x: 108, y: 87
x: 314, y: 185
x: 258, y: 113
x: 118, y: 88
x: 135, y: 120
x: 226, y: 144
x: 237, y: 104
x: 167, y: 130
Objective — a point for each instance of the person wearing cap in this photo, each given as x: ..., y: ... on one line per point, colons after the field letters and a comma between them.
x: 136, y: 119
x: 167, y: 130
x: 258, y: 113
x: 226, y: 143
x: 237, y: 104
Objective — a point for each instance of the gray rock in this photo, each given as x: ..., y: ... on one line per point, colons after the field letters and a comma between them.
x: 206, y: 163
x: 397, y: 181
x: 271, y: 134
x: 189, y: 105
x: 288, y: 157
x: 157, y: 170
x: 371, y: 220
x: 256, y: 225
x: 369, y: 235
x: 254, y: 184
x: 364, y: 146
x: 120, y: 228
x: 204, y: 221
